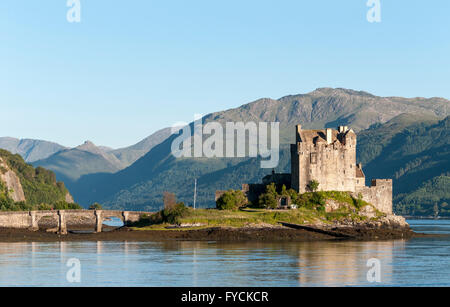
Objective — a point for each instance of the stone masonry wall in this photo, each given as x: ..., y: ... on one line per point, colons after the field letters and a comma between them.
x: 332, y: 165
x: 19, y: 220
x: 378, y: 194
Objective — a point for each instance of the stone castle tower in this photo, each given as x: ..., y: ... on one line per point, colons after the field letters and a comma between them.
x: 329, y: 157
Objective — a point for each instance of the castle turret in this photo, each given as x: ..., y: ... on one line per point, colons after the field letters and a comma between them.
x: 298, y: 130
x: 329, y: 136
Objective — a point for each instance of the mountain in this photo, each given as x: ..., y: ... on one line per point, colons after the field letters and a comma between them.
x: 328, y: 107
x: 20, y: 182
x: 431, y: 198
x: 70, y: 164
x: 130, y: 154
x: 30, y: 150
x: 140, y: 186
x: 416, y: 154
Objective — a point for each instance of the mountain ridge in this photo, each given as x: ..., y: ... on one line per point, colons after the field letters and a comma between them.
x: 325, y: 107
x: 30, y: 149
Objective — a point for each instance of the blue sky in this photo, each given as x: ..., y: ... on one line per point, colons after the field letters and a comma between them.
x: 132, y: 67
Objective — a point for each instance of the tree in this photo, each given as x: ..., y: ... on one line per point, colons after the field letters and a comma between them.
x: 284, y: 191
x: 170, y: 200
x: 269, y: 199
x: 313, y: 185
x: 95, y: 206
x: 232, y: 200
x: 174, y: 213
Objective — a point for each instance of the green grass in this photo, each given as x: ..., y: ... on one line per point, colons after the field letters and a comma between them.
x: 306, y: 215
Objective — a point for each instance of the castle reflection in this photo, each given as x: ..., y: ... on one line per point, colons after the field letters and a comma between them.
x: 344, y: 263
x: 327, y: 263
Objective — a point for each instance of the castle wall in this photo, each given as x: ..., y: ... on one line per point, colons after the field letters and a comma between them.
x: 379, y: 194
x: 253, y: 191
x: 295, y: 168
x: 360, y: 182
x: 332, y: 165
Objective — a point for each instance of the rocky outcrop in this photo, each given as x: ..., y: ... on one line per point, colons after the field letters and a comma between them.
x: 390, y: 221
x: 371, y: 217
x: 69, y: 198
x: 11, y: 181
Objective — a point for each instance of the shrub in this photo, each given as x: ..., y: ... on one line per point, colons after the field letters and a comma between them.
x: 95, y: 206
x: 313, y: 185
x: 44, y: 207
x: 232, y: 200
x: 269, y: 199
x: 174, y: 214
x: 318, y: 198
x: 62, y: 205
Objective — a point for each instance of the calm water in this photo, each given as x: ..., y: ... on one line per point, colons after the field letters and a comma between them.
x: 416, y: 262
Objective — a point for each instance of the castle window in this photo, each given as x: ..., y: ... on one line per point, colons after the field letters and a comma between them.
x: 351, y: 166
x: 313, y: 158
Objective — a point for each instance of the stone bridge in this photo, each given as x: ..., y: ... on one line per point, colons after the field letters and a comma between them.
x: 30, y: 219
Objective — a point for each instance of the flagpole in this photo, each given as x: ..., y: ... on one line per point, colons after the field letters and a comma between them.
x: 195, y: 192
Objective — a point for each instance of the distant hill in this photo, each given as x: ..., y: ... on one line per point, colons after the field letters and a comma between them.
x: 70, y: 164
x: 431, y: 198
x: 140, y: 186
x: 30, y: 150
x: 416, y: 154
x: 129, y: 155
x: 20, y: 182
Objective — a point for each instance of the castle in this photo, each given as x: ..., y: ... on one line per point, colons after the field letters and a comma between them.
x: 327, y: 156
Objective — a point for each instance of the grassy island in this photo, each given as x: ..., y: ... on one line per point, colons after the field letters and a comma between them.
x: 313, y: 208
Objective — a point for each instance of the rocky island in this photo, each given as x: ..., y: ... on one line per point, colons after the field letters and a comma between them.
x: 325, y: 197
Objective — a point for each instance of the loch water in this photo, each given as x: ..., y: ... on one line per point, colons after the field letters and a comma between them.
x: 414, y: 262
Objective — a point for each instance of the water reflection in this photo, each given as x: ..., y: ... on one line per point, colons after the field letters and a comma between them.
x: 413, y: 262
x: 337, y: 264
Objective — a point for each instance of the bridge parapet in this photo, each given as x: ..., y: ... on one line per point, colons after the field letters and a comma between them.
x: 30, y: 219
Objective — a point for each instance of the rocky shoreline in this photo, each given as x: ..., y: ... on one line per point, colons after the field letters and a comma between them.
x: 263, y: 234
x: 389, y: 227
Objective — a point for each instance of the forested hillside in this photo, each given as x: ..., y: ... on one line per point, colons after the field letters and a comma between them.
x: 39, y: 185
